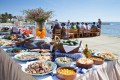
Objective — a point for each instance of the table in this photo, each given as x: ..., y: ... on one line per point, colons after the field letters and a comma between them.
x: 110, y: 70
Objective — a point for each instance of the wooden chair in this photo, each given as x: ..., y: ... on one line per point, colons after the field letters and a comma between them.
x: 80, y: 32
x: 75, y: 31
x: 98, y: 31
x: 86, y: 32
x: 57, y: 33
x: 93, y: 32
x: 69, y: 34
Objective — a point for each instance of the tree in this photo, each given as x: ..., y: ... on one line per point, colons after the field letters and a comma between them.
x: 10, y: 16
x: 5, y: 16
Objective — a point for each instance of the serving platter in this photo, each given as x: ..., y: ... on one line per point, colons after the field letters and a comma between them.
x: 36, y: 54
x: 54, y: 66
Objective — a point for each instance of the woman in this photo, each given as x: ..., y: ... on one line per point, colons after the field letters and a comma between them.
x: 63, y: 31
x: 73, y: 26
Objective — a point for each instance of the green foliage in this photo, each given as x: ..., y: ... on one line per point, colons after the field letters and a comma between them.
x: 5, y: 16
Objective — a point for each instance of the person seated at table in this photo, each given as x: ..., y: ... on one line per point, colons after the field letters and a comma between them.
x: 68, y: 25
x: 73, y: 26
x: 63, y: 31
x: 57, y: 26
x: 52, y: 26
x: 78, y: 25
x: 82, y: 26
x: 87, y: 27
x: 94, y: 26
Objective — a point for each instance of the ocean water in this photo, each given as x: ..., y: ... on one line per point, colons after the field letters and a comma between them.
x: 112, y: 29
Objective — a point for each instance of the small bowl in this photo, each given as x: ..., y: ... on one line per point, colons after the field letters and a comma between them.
x: 97, y: 60
x: 86, y: 66
x: 64, y: 76
x: 63, y: 64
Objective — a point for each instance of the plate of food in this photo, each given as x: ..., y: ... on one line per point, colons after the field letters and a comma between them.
x: 108, y: 56
x: 36, y: 68
x: 14, y: 51
x: 48, y: 58
x: 27, y: 56
x: 97, y: 60
x: 4, y: 42
x: 40, y: 50
x: 9, y: 45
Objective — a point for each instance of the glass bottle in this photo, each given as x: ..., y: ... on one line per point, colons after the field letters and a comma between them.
x: 86, y: 52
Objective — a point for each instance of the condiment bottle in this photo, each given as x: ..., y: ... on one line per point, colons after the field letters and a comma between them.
x: 86, y: 52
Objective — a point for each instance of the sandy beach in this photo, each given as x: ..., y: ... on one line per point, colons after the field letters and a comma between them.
x: 103, y: 43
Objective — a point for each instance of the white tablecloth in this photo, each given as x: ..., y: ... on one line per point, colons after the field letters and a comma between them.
x: 110, y: 70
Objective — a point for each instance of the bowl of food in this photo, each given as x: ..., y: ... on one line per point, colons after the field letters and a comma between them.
x: 66, y: 73
x: 63, y: 61
x: 37, y: 68
x: 97, y: 60
x: 84, y: 63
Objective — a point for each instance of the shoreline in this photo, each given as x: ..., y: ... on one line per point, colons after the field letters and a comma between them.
x: 103, y: 43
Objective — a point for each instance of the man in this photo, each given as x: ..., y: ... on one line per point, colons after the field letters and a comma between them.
x: 57, y: 26
x: 99, y: 23
x: 93, y: 25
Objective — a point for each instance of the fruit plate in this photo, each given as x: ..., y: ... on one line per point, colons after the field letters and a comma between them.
x: 14, y: 51
x: 35, y: 54
x: 54, y: 66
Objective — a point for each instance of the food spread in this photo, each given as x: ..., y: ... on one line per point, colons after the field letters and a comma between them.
x: 63, y: 60
x: 70, y: 42
x: 66, y: 71
x: 109, y: 56
x: 96, y: 58
x: 27, y: 56
x: 39, y: 68
x: 44, y: 57
x: 85, y: 61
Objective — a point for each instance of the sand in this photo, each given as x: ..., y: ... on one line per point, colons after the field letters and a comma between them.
x: 103, y: 43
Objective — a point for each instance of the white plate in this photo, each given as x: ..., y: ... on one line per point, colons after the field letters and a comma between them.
x: 25, y: 53
x: 54, y: 66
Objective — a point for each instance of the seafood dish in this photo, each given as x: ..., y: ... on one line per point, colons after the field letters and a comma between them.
x: 108, y: 56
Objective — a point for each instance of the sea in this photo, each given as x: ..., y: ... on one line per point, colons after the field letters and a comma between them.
x: 111, y: 29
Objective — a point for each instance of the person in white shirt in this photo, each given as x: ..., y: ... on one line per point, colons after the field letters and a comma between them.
x: 82, y: 26
x: 87, y: 26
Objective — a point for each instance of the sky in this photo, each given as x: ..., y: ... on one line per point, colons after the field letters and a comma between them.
x: 64, y: 10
